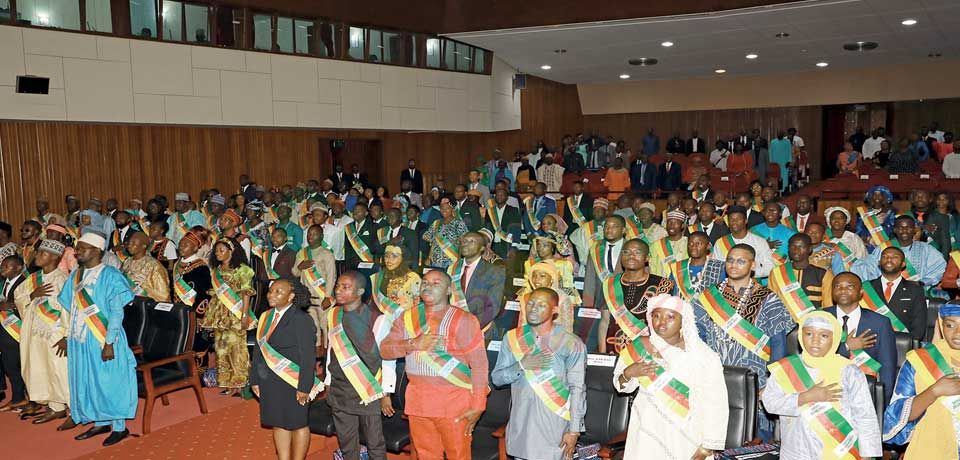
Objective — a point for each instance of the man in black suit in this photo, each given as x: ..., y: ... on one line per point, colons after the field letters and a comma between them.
x: 507, y: 219
x: 414, y: 176
x: 696, y: 144
x: 361, y: 254
x: 582, y: 201
x: 280, y: 258
x: 247, y: 189
x: 356, y: 177
x: 12, y: 271
x: 905, y: 298
x: 668, y: 176
x: 643, y: 176
x: 701, y: 189
x: 709, y: 223
x: 125, y: 229
x: 482, y: 283
x: 338, y: 176
x: 675, y: 144
x: 405, y: 238
x: 469, y: 210
x: 754, y: 218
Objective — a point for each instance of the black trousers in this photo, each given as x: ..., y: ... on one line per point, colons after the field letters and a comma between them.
x: 348, y: 435
x: 10, y: 359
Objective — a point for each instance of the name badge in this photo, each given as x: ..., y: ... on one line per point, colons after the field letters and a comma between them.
x: 494, y: 345
x: 350, y: 362
x: 724, y: 179
x: 864, y: 176
x: 10, y: 320
x: 223, y: 288
x: 448, y: 368
x: 791, y: 287
x: 601, y: 360
x: 924, y: 176
x: 578, y: 285
x: 589, y: 313
x: 365, y: 265
x: 523, y: 247
x: 280, y: 366
x: 894, y: 176
x: 163, y: 306
x: 91, y: 311
x: 512, y: 305
x: 544, y: 376
x: 518, y: 282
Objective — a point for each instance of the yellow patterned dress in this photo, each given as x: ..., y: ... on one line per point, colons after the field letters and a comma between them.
x: 404, y: 290
x: 229, y: 335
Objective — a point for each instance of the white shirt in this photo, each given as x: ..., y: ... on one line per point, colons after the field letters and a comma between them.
x: 276, y: 252
x: 763, y: 261
x: 938, y: 135
x: 951, y: 165
x: 695, y: 143
x: 8, y: 287
x: 718, y: 159
x: 334, y: 237
x: 871, y: 146
x: 615, y: 248
x: 853, y: 320
x: 280, y: 312
x: 883, y: 285
x: 798, y: 141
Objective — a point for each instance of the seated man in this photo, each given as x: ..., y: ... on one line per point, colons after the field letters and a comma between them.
x: 924, y: 263
x: 801, y: 285
x: 905, y: 298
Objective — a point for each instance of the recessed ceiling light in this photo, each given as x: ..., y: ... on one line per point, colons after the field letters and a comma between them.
x: 720, y: 71
x: 909, y: 22
x: 782, y: 35
x: 860, y: 46
x: 545, y: 67
x: 666, y: 44
x: 822, y: 64
x: 643, y: 62
x: 751, y: 56
x: 624, y: 76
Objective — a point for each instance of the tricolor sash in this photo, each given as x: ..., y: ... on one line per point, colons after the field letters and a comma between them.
x: 11, y: 323
x: 631, y: 326
x: 592, y: 231
x: 531, y: 213
x: 664, y: 250
x: 441, y: 362
x: 180, y: 222
x: 737, y: 327
x: 34, y: 281
x: 115, y: 239
x: 873, y: 225
x: 287, y: 370
x: 447, y: 246
x: 544, y: 382
x: 361, y: 379
x: 789, y: 223
x: 790, y: 291
x: 845, y: 253
x: 358, y: 245
x: 929, y: 364
x: 698, y: 195
x: 725, y: 244
x: 830, y: 426
x: 666, y: 388
x: 83, y: 305
x: 272, y: 213
x: 316, y: 283
x: 681, y: 276
x: 383, y: 234
x: 184, y: 291
x: 228, y: 297
x: 955, y: 257
x: 575, y: 212
x: 268, y: 264
x: 137, y: 290
x: 458, y: 297
x: 494, y: 216
x: 634, y: 229
x: 599, y: 264
x: 862, y: 359
x: 384, y: 303
x: 47, y: 313
x: 871, y: 300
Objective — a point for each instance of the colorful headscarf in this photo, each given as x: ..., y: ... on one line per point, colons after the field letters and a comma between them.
x: 878, y: 188
x: 830, y: 365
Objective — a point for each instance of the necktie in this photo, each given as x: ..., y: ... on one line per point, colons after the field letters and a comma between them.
x: 845, y: 319
x: 802, y: 224
x: 610, y: 258
x: 888, y: 292
x: 465, y: 279
x: 920, y: 217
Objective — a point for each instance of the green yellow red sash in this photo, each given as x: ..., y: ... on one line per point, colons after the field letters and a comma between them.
x: 845, y: 253
x: 11, y: 323
x: 447, y: 246
x: 873, y: 225
x: 115, y: 239
x: 681, y: 275
x: 83, y: 305
x: 544, y: 382
x: 873, y: 301
x: 531, y: 213
x: 725, y: 244
x: 458, y: 297
x: 664, y: 250
x: 667, y: 389
x: 272, y: 213
x: 137, y: 290
x: 591, y: 231
x: 955, y: 257
x: 930, y: 365
x: 575, y: 213
x: 316, y: 283
x: 790, y: 291
x: 287, y: 370
x: 180, y: 222
x: 184, y: 291
x: 443, y: 363
x: 358, y: 245
x: 736, y: 326
x: 789, y: 223
x: 383, y: 302
x: 383, y: 234
x: 494, y: 216
x: 268, y: 263
x: 228, y: 297
x: 47, y: 313
x: 599, y: 264
x: 631, y: 326
x: 361, y: 379
x: 826, y: 421
x: 634, y: 229
x: 862, y: 359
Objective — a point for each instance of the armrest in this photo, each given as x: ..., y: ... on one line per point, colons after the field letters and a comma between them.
x: 137, y: 349
x: 500, y: 432
x: 404, y: 417
x: 188, y: 356
x: 615, y: 444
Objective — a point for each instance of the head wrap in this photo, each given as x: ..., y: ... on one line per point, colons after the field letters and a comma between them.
x: 218, y: 199
x: 650, y: 206
x: 688, y: 327
x: 829, y: 212
x: 561, y: 225
x: 255, y: 205
x: 95, y: 240
x: 935, y: 437
x: 52, y: 246
x: 230, y: 214
x: 182, y: 196
x: 949, y: 309
x: 57, y: 228
x: 319, y: 206
x: 547, y: 268
x: 676, y: 215
x: 828, y: 366
x: 137, y: 201
x: 487, y: 233
x: 193, y: 236
x: 601, y: 203
x: 879, y: 188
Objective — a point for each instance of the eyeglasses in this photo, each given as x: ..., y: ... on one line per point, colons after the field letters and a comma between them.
x: 738, y: 262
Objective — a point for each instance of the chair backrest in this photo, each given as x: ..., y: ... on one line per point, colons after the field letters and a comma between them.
x: 905, y: 343
x: 793, y: 341
x: 135, y: 319
x: 609, y: 411
x: 400, y: 392
x: 742, y: 393
x: 933, y: 312
x: 876, y: 393
x: 170, y: 331
x: 498, y: 401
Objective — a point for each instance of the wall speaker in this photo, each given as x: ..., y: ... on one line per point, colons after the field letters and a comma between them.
x: 29, y: 84
x: 520, y: 81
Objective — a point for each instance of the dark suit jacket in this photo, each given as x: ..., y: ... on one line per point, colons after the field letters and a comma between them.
x: 909, y: 303
x: 284, y: 265
x: 416, y: 179
x: 676, y: 145
x: 884, y: 350
x: 249, y: 192
x: 510, y: 223
x: 707, y: 197
x: 6, y: 340
x: 547, y: 206
x: 813, y: 217
x: 126, y: 238
x: 754, y: 218
x: 719, y: 230
x: 336, y: 180
x: 701, y: 145
x: 295, y: 338
x: 669, y: 180
x: 485, y: 291
x: 368, y: 234
x: 409, y: 240
x: 586, y: 208
x: 648, y: 175
x: 352, y: 180
x: 470, y: 214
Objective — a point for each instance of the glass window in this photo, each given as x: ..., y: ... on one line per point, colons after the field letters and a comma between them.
x: 303, y: 36
x: 449, y: 54
x: 433, y: 53
x: 376, y: 47
x: 4, y: 10
x: 98, y: 16
x: 143, y: 18
x: 285, y: 34
x: 172, y: 20
x: 480, y: 61
x: 262, y: 33
x: 327, y: 40
x: 392, y: 48
x: 464, y: 57
x: 60, y: 14
x: 410, y: 48
x: 356, y: 43
x: 198, y: 25
x: 229, y: 26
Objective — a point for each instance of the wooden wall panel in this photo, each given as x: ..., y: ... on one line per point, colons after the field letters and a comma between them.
x: 909, y: 116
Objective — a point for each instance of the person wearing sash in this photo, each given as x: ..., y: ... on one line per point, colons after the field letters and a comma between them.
x: 316, y: 268
x: 774, y: 231
x: 398, y: 282
x: 504, y: 221
x: 398, y: 234
x: 648, y: 229
x: 583, y: 203
x: 229, y: 223
x: 160, y: 247
x: 228, y: 313
x: 43, y: 333
x: 879, y: 201
x: 537, y: 207
x: 737, y: 220
x: 925, y: 264
x: 45, y: 216
x: 816, y: 283
x: 100, y: 365
x: 685, y: 417
x: 286, y: 334
x: 761, y: 320
x: 191, y: 284
x: 923, y: 412
x: 905, y: 298
x: 294, y: 232
x: 697, y: 272
x: 146, y: 276
x: 546, y: 275
x: 545, y: 366
x: 254, y: 226
x: 481, y: 283
x: 824, y: 402
x: 184, y: 218
x: 12, y: 272
x: 277, y: 260
x: 635, y: 286
x: 838, y: 220
x: 709, y: 223
x: 673, y: 248
x: 934, y: 227
x: 603, y: 261
x: 823, y: 250
x: 443, y: 236
x: 591, y: 231
x: 806, y: 214
x: 446, y: 363
x: 333, y: 235
x: 864, y: 330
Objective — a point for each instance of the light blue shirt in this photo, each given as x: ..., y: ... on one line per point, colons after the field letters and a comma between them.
x: 928, y: 261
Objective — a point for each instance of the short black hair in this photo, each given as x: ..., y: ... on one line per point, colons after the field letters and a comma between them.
x: 737, y: 210
x: 904, y: 217
x: 699, y: 234
x: 6, y: 228
x: 801, y: 236
x: 744, y: 247
x: 644, y: 247
x: 618, y: 217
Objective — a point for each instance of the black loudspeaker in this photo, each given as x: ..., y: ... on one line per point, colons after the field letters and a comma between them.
x: 30, y: 84
x: 520, y: 81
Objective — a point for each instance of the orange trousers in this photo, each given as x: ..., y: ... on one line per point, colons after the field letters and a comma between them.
x: 434, y: 436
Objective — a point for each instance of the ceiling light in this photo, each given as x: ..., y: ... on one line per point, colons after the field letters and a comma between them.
x: 666, y: 44
x: 860, y: 46
x: 545, y: 67
x: 720, y: 71
x: 751, y: 56
x: 643, y: 62
x: 909, y: 22
x: 782, y: 35
x: 822, y: 64
x: 560, y: 51
x: 624, y: 76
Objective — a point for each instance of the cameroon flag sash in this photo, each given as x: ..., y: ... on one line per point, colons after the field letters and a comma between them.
x: 228, y: 297
x: 383, y: 234
x: 664, y: 250
x: 115, y: 239
x: 272, y: 213
x: 358, y: 245
x: 268, y: 264
x: 34, y: 281
x: 544, y: 382
x: 494, y: 218
x: 873, y: 225
x: 575, y: 212
x: 930, y: 365
x: 531, y: 213
x: 137, y: 290
x: 871, y: 300
x: 633, y: 227
x: 862, y: 359
x: 591, y: 231
x: 833, y: 430
x: 845, y: 253
x: 789, y: 223
x: 955, y: 257
x: 180, y: 221
x: 631, y: 326
x: 316, y: 283
x: 92, y: 316
x: 736, y: 326
x: 361, y: 379
x: 11, y: 323
x: 184, y: 291
x: 47, y: 313
x: 287, y: 370
x: 386, y: 305
x: 725, y: 244
x: 441, y: 362
x: 449, y: 250
x: 790, y: 291
x: 458, y: 297
x: 596, y: 249
x: 667, y: 389
x: 698, y: 195
x: 681, y: 275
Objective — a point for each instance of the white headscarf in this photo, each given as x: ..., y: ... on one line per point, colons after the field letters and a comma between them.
x: 688, y: 326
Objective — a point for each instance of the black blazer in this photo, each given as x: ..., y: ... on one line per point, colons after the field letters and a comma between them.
x: 284, y: 265
x: 336, y: 180
x: 719, y: 230
x: 368, y: 234
x: 351, y: 181
x: 586, y: 208
x: 6, y: 340
x: 126, y: 238
x: 701, y: 146
x: 510, y: 223
x: 754, y: 218
x: 295, y: 338
x: 909, y: 303
x: 470, y: 214
x: 676, y: 145
x: 884, y: 350
x: 669, y: 180
x: 485, y: 291
x: 648, y: 174
x: 416, y: 179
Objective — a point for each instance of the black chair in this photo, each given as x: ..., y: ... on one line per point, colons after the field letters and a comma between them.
x: 608, y: 411
x: 320, y: 418
x: 793, y: 341
x: 876, y: 393
x: 489, y: 441
x: 165, y: 359
x: 905, y: 342
x: 135, y: 319
x: 933, y: 312
x: 742, y: 393
x: 396, y: 429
